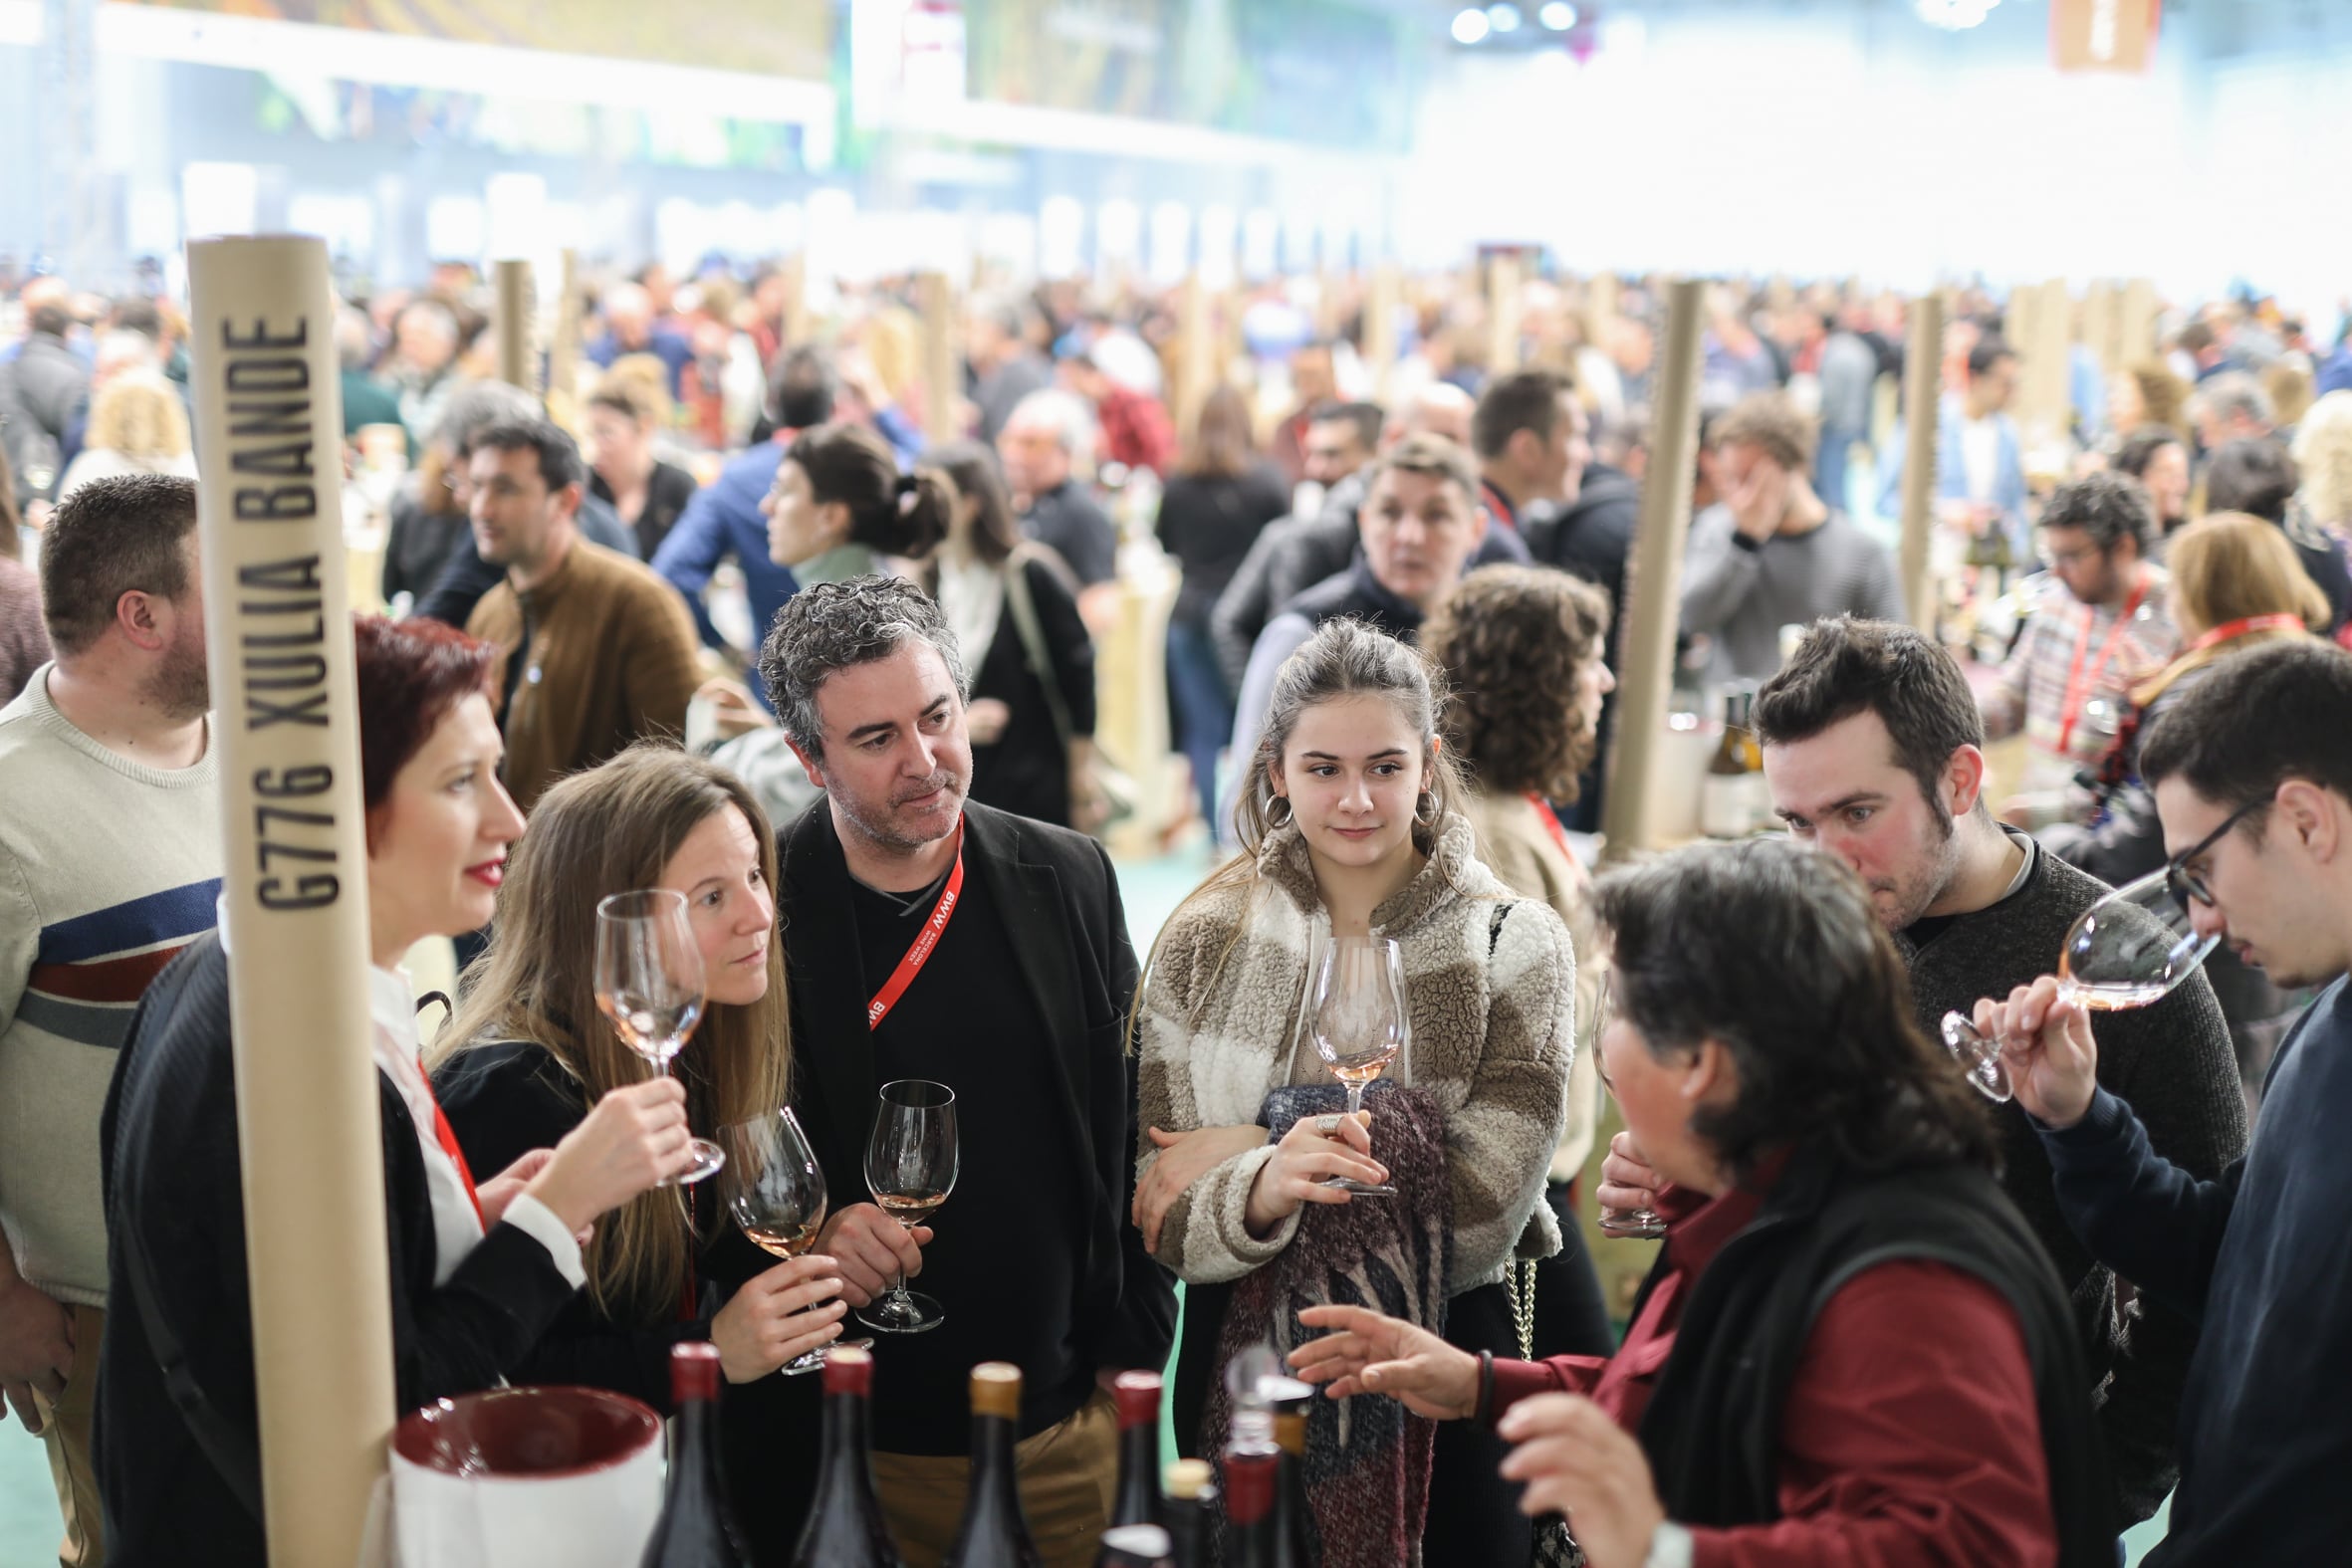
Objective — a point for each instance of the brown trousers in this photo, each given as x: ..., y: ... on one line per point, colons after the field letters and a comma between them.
x: 1069, y: 1473
x: 64, y: 1433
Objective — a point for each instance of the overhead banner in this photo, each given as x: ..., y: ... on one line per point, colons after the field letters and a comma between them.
x: 2103, y: 35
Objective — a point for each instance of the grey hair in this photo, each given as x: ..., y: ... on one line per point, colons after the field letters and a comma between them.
x: 1073, y: 425
x: 1351, y: 658
x: 2234, y: 394
x: 477, y: 405
x: 832, y: 626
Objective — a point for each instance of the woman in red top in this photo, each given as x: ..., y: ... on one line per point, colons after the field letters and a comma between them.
x: 1851, y: 1350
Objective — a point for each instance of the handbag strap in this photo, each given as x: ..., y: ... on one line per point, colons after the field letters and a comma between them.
x: 231, y: 1455
x: 1031, y: 632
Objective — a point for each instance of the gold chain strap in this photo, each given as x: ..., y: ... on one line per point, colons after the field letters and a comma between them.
x: 1518, y: 1282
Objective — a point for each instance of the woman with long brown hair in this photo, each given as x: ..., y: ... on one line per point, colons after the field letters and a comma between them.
x: 528, y: 1051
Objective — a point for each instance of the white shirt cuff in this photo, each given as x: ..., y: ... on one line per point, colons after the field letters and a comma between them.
x: 538, y: 1222
x: 1671, y: 1546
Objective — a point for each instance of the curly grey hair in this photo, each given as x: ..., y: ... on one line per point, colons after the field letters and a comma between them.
x: 832, y: 626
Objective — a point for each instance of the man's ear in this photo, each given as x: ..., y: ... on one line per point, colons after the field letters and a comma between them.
x: 1713, y: 1077
x: 2313, y: 815
x: 814, y: 767
x: 138, y: 615
x: 1963, y: 781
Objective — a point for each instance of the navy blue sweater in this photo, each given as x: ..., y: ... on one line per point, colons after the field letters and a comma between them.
x: 2261, y: 1257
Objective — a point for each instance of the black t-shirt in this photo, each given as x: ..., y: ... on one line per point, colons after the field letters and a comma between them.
x: 1003, y: 1259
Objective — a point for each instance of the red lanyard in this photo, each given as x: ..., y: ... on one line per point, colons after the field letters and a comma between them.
x: 1559, y: 835
x: 920, y: 954
x: 2078, y: 683
x: 447, y: 1138
x: 2245, y: 624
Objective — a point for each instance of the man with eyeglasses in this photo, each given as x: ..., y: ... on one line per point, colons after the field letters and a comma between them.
x: 2098, y: 622
x: 2253, y: 777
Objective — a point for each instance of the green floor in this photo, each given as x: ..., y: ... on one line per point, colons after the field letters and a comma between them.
x: 28, y: 1507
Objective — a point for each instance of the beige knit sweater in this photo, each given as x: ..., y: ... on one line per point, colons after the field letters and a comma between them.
x: 1489, y: 986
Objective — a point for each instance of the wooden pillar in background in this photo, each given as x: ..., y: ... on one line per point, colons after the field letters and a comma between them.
x: 2135, y: 325
x: 796, y: 299
x: 1196, y: 352
x: 1600, y: 309
x: 2098, y: 324
x: 2050, y: 361
x: 563, y: 355
x: 294, y: 901
x: 1921, y: 403
x: 1654, y: 596
x: 1380, y: 308
x: 1503, y: 313
x: 942, y: 382
x: 513, y: 326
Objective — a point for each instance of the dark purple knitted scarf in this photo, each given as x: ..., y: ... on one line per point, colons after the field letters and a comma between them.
x: 1367, y: 1457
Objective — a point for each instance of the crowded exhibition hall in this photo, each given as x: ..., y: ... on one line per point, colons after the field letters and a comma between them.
x: 1175, y: 784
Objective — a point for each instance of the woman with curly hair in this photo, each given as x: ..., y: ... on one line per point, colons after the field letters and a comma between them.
x: 1522, y: 648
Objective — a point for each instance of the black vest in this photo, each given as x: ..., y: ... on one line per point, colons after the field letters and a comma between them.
x: 1357, y: 594
x: 1712, y: 1427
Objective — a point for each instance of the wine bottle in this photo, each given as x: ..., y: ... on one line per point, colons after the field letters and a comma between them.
x: 1135, y: 1546
x: 995, y: 1532
x: 1250, y: 1538
x: 1138, y: 1499
x: 1293, y: 1516
x: 846, y: 1528
x: 696, y: 1529
x: 1733, y: 802
x: 1191, y: 1489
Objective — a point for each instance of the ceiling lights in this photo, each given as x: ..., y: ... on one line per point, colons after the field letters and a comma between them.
x: 1954, y: 15
x: 1471, y: 26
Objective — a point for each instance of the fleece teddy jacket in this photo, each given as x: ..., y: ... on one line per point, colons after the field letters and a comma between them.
x: 1490, y: 982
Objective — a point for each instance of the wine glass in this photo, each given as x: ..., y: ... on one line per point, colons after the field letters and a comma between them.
x: 774, y: 1192
x: 1632, y: 1224
x: 649, y: 983
x: 2127, y: 950
x: 1359, y: 1023
x: 910, y: 1168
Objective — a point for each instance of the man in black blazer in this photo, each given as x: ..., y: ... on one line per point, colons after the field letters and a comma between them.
x: 930, y: 938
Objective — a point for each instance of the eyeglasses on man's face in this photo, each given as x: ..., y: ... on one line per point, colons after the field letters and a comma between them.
x: 2186, y: 884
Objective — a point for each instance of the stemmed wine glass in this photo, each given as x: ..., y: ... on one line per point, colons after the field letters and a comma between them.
x: 776, y: 1193
x: 1359, y: 1023
x: 1636, y: 1224
x: 910, y: 1168
x: 2127, y: 950
x: 649, y: 983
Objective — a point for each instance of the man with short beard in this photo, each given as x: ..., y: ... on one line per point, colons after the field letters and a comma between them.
x: 1873, y: 750
x: 110, y: 863
x: 932, y: 938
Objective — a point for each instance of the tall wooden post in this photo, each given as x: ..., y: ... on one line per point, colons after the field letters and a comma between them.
x: 295, y: 898
x: 2135, y: 327
x: 2050, y: 361
x: 941, y: 383
x: 1380, y: 308
x: 1196, y: 349
x: 2099, y: 306
x: 796, y: 299
x: 1600, y: 309
x: 1654, y: 608
x: 513, y: 326
x: 563, y: 355
x: 1503, y: 313
x: 1921, y: 403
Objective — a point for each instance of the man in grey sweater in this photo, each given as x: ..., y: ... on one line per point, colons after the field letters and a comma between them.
x: 1872, y: 748
x: 1772, y: 552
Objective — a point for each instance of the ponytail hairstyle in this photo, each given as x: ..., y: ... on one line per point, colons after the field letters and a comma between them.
x: 890, y: 513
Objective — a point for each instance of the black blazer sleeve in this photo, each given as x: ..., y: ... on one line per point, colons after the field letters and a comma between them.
x: 1069, y: 644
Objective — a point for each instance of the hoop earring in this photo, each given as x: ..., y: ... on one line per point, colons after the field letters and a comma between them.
x: 1424, y: 809
x: 1284, y: 801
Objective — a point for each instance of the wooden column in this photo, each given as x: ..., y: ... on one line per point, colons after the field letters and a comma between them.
x: 1195, y: 354
x: 941, y: 381
x: 2135, y: 324
x: 1503, y: 313
x: 1380, y: 308
x: 1921, y: 398
x: 562, y: 358
x: 1600, y: 309
x: 513, y: 326
x: 295, y: 896
x: 2098, y: 324
x: 796, y: 299
x: 1654, y: 596
x: 2049, y: 363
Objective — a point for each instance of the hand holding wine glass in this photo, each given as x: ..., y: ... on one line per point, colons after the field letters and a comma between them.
x: 2127, y: 950
x: 910, y: 1168
x: 1359, y: 1026
x: 2048, y: 1057
x: 774, y: 1192
x: 649, y: 983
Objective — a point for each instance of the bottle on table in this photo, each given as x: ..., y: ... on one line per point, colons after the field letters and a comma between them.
x: 1137, y: 1501
x: 1251, y: 1540
x: 1191, y: 1486
x: 1135, y: 1546
x: 995, y: 1532
x: 846, y: 1528
x: 1293, y: 1516
x: 696, y: 1529
x: 1733, y: 802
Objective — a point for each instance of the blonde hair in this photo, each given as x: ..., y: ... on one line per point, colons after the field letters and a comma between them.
x: 2225, y: 568
x: 2289, y: 382
x: 608, y: 830
x: 139, y: 416
x: 2323, y: 456
x: 646, y: 382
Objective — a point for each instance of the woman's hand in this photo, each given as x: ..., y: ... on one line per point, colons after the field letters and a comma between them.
x: 1370, y: 1353
x: 508, y: 1185
x: 1184, y: 1159
x: 1577, y: 1462
x: 871, y: 1250
x: 1305, y: 1159
x: 985, y: 720
x: 630, y: 1141
x: 1626, y: 1180
x: 779, y: 1316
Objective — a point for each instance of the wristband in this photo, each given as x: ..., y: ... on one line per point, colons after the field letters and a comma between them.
x: 1746, y: 542
x: 1485, y: 1410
